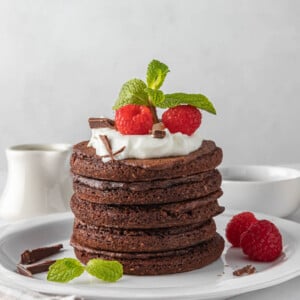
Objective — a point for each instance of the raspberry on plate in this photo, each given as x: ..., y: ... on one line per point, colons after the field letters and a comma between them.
x: 237, y: 225
x: 262, y: 241
x: 134, y: 119
x: 182, y: 118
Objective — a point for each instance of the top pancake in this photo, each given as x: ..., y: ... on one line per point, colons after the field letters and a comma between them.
x: 85, y: 162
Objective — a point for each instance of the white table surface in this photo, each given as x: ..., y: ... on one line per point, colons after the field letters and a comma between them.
x: 289, y: 290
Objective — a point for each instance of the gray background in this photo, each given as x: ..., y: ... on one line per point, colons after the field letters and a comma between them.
x: 62, y: 61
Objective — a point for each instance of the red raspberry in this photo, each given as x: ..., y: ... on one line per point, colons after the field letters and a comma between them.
x: 134, y: 119
x: 237, y: 225
x: 182, y: 118
x: 262, y: 241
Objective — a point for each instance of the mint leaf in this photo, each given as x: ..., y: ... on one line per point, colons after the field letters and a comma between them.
x: 64, y: 270
x: 107, y: 270
x: 132, y: 92
x: 156, y: 97
x: 197, y: 100
x: 156, y: 74
x: 135, y: 91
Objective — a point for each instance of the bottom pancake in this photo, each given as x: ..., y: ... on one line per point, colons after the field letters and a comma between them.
x: 158, y: 263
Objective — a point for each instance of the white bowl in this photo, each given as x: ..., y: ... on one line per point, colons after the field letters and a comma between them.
x: 268, y: 189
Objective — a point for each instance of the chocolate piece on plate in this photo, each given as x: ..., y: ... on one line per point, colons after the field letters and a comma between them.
x: 21, y: 269
x: 32, y: 256
x: 247, y: 270
x: 40, y: 267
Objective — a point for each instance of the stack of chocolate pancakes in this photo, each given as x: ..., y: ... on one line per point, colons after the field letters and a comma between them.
x: 155, y: 216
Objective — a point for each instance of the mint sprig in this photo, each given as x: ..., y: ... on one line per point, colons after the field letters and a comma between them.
x: 156, y: 97
x: 132, y: 92
x: 107, y: 270
x: 156, y: 74
x: 197, y: 100
x: 136, y: 91
x: 66, y: 269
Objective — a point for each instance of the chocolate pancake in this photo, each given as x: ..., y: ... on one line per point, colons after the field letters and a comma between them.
x: 138, y: 240
x: 147, y: 192
x: 147, y: 216
x: 85, y: 162
x: 157, y: 263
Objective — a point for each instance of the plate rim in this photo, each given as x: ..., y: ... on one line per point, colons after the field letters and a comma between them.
x: 150, y: 293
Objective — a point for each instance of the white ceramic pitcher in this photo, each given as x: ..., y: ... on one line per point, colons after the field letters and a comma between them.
x: 38, y: 181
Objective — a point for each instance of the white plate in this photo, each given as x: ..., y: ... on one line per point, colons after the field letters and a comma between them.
x: 212, y: 282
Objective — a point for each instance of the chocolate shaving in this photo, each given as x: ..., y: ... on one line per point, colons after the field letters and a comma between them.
x: 101, y: 123
x: 117, y: 152
x: 107, y: 145
x: 36, y: 268
x: 248, y: 270
x: 32, y: 256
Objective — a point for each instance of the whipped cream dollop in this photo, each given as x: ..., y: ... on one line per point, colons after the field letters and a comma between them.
x: 143, y: 146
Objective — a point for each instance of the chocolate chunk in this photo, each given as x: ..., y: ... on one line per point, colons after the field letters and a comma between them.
x: 40, y: 267
x: 249, y: 269
x: 158, y: 130
x: 29, y: 270
x: 158, y: 126
x: 32, y: 256
x: 158, y: 134
x: 23, y: 270
x: 101, y: 123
